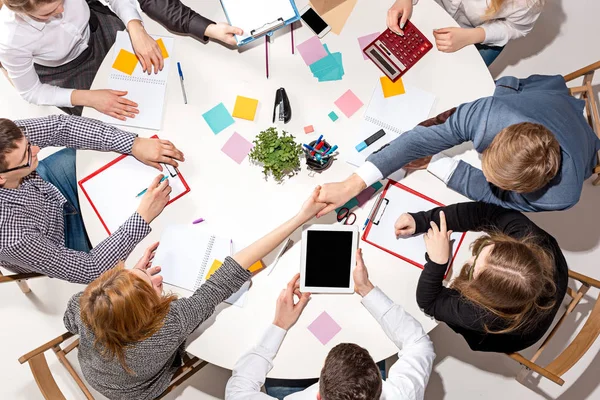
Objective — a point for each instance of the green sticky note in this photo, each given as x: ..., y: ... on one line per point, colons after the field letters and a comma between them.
x: 350, y: 204
x: 333, y: 116
x: 218, y: 118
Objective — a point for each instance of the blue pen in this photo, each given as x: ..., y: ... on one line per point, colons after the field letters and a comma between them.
x: 181, y: 80
x: 311, y: 148
x: 145, y: 190
x: 366, y: 223
x: 318, y: 140
x: 331, y: 150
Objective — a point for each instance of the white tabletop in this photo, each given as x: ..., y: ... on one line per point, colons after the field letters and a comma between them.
x: 237, y: 201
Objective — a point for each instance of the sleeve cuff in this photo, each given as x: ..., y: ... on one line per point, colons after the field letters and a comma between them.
x: 369, y: 173
x: 494, y: 34
x: 198, y: 25
x: 442, y: 167
x: 63, y: 97
x: 377, y: 303
x: 129, y: 14
x: 272, y: 339
x: 137, y: 227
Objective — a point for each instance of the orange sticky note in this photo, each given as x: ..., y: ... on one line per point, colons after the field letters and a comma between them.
x: 213, y: 268
x: 391, y: 88
x: 257, y: 266
x: 125, y: 62
x: 163, y: 49
x: 245, y: 108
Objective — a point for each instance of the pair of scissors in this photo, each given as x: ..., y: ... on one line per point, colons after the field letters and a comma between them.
x: 345, y: 215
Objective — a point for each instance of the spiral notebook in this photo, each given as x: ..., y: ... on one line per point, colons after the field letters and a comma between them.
x: 186, y: 254
x: 148, y: 91
x: 395, y: 115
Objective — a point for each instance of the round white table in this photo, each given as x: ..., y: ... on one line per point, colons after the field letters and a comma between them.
x: 237, y: 201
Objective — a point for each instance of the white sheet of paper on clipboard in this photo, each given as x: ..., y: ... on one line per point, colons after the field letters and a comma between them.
x: 259, y: 17
x: 395, y: 200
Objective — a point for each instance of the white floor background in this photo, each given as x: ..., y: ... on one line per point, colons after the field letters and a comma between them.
x: 563, y: 40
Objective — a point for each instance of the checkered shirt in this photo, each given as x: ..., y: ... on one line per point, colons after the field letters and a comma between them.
x: 32, y: 237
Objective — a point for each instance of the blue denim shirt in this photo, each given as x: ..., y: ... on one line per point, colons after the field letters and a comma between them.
x: 538, y: 99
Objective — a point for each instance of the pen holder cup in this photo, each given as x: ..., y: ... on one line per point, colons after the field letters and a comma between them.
x: 313, y: 164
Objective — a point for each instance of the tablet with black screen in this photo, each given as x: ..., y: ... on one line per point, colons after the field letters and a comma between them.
x: 328, y: 258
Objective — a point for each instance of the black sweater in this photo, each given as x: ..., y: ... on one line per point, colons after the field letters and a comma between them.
x: 465, y: 317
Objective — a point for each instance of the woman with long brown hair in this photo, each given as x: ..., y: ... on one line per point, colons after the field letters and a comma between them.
x: 488, y: 24
x: 132, y: 336
x: 506, y: 296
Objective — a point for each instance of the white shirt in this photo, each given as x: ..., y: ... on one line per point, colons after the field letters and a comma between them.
x: 407, y: 378
x: 25, y: 41
x: 514, y: 20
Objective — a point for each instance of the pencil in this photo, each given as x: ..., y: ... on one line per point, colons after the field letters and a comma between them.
x: 267, y: 54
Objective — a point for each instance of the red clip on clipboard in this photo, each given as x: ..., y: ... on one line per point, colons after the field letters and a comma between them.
x: 395, y: 200
x: 112, y: 190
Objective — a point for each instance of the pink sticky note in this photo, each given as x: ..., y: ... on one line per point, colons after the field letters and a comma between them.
x: 309, y: 129
x: 364, y: 41
x: 312, y: 50
x: 324, y: 328
x: 237, y: 147
x: 365, y: 195
x: 348, y: 103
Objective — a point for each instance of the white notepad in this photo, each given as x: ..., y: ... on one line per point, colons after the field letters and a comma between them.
x: 252, y: 15
x: 148, y: 91
x: 395, y: 115
x: 395, y: 201
x: 112, y: 190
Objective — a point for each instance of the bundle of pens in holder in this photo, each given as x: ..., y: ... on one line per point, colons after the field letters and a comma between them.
x: 319, y: 154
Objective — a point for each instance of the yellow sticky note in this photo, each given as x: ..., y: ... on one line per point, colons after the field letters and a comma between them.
x: 391, y: 88
x: 163, y: 49
x: 257, y: 266
x: 213, y: 268
x: 125, y: 62
x: 245, y: 108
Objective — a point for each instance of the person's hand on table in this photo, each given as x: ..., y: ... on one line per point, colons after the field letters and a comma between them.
x: 437, y: 241
x: 155, y: 199
x: 145, y: 47
x: 362, y: 284
x: 338, y: 193
x: 449, y: 40
x: 398, y: 14
x: 405, y: 225
x: 110, y: 102
x: 287, y: 311
x: 223, y: 32
x: 152, y: 152
x: 145, y: 264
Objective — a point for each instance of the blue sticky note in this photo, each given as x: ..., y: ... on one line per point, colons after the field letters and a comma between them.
x: 218, y: 118
x: 329, y: 68
x: 333, y: 116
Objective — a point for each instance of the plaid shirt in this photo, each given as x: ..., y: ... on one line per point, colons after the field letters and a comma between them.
x: 32, y: 237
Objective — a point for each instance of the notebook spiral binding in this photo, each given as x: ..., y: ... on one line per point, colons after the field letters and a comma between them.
x: 383, y: 125
x: 137, y: 79
x: 205, y: 261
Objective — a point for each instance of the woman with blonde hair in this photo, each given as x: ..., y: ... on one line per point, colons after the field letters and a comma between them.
x: 132, y: 336
x: 488, y: 24
x: 52, y: 49
x: 506, y: 296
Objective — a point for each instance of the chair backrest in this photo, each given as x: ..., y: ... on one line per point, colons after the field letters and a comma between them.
x: 20, y: 279
x: 578, y: 346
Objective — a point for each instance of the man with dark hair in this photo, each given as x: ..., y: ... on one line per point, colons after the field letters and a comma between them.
x: 349, y: 371
x: 41, y: 229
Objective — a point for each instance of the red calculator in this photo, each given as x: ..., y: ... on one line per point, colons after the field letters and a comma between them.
x: 395, y: 54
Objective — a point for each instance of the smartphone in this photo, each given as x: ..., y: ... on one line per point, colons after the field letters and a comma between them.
x: 314, y: 21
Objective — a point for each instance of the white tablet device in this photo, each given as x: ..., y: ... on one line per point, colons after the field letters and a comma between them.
x: 328, y: 258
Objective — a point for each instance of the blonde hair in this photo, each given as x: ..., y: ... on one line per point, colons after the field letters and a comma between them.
x: 516, y: 283
x: 24, y: 6
x: 496, y: 5
x: 120, y: 308
x: 522, y: 158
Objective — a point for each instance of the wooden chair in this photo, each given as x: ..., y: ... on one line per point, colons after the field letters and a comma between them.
x: 577, y: 348
x: 50, y: 390
x: 21, y: 279
x: 586, y: 93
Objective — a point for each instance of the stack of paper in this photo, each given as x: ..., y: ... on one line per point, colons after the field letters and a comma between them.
x: 324, y: 65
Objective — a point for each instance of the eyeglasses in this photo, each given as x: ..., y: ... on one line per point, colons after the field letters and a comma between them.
x: 28, y: 157
x: 472, y: 268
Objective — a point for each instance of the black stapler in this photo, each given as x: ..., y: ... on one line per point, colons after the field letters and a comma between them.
x: 283, y: 103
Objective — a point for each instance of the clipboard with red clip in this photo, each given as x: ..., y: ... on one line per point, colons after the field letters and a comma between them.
x: 395, y: 200
x: 112, y: 190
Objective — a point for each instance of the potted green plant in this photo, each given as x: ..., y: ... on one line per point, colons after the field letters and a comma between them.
x: 278, y: 154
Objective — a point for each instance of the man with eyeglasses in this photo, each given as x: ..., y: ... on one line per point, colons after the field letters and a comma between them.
x: 41, y: 229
